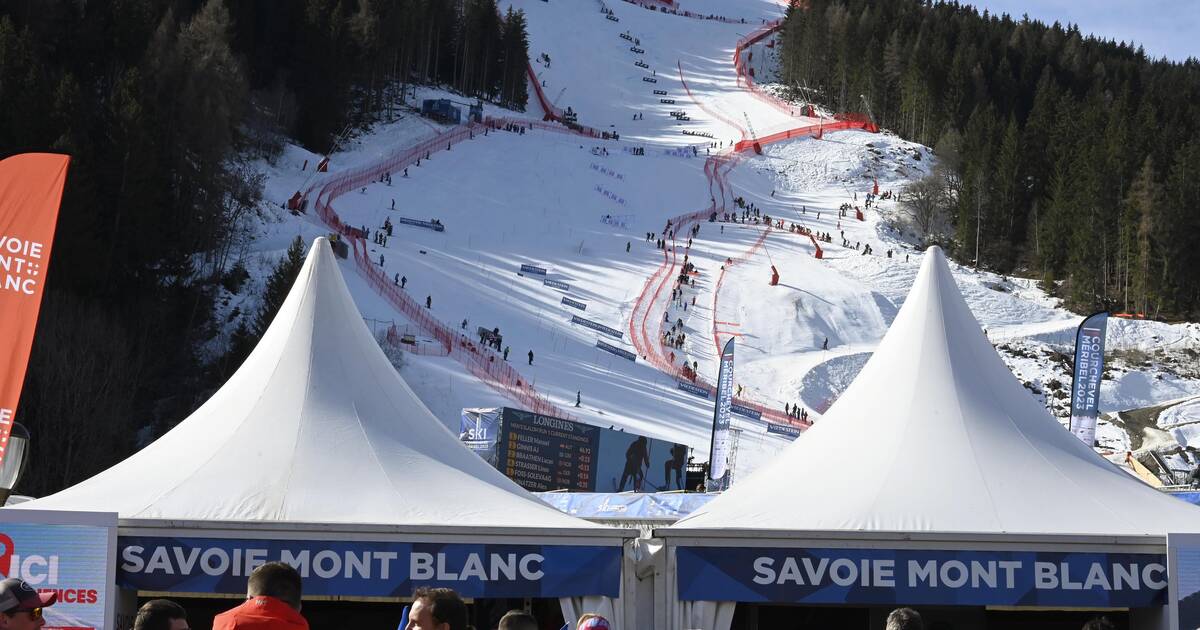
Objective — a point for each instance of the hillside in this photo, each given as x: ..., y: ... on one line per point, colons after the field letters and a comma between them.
x: 582, y: 208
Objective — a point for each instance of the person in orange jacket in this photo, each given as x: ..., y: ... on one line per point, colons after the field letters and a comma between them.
x: 272, y: 602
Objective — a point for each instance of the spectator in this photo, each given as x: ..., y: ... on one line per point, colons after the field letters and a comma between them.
x: 161, y: 614
x: 517, y: 620
x: 21, y: 606
x: 272, y: 602
x: 437, y: 609
x: 904, y: 619
x: 1099, y: 623
x: 592, y: 621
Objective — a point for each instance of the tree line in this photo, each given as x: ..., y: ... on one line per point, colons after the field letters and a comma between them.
x: 1061, y: 156
x: 164, y: 107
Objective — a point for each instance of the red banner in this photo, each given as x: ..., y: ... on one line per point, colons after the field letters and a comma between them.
x: 31, y: 187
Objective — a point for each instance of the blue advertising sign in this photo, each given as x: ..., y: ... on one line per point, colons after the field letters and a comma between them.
x: 783, y: 429
x: 745, y: 411
x: 1089, y: 369
x: 718, y: 468
x: 437, y: 227
x: 543, y: 453
x: 670, y: 506
x: 574, y: 303
x: 563, y: 286
x: 534, y: 269
x: 692, y: 389
x: 370, y: 569
x: 621, y: 352
x: 930, y: 577
x: 70, y: 553
x: 612, y: 332
x: 479, y: 429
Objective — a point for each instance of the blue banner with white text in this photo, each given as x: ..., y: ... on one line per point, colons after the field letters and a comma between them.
x: 787, y: 430
x: 692, y: 388
x: 745, y: 411
x: 670, y: 505
x: 621, y: 352
x: 1089, y: 370
x: 370, y: 569
x: 587, y: 323
x: 928, y: 577
x: 721, y: 447
x: 437, y: 227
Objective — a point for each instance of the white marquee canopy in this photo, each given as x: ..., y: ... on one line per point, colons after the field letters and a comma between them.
x: 317, y: 427
x: 935, y: 436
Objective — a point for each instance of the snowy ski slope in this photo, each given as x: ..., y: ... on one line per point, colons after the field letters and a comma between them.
x: 542, y: 198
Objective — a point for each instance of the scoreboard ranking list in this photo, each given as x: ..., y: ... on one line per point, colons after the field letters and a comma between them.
x: 543, y: 453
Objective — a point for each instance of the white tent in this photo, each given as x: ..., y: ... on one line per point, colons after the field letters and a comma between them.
x: 936, y: 441
x: 317, y: 432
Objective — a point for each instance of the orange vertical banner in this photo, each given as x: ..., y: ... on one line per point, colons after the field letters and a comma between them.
x: 31, y: 188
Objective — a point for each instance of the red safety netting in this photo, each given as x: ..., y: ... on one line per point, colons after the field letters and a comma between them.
x: 647, y: 317
x: 706, y: 110
x: 745, y: 78
x: 814, y: 130
x: 395, y: 339
x: 721, y: 280
x: 485, y: 363
x: 553, y: 113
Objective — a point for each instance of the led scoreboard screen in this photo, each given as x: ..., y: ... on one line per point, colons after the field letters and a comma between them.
x: 543, y: 453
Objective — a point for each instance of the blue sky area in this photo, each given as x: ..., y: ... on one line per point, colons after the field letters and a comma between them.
x: 1169, y: 28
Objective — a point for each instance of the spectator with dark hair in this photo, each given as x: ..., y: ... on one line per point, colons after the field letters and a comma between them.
x: 1099, y: 623
x: 161, y: 614
x: 437, y: 609
x: 272, y: 602
x: 517, y: 620
x: 904, y: 619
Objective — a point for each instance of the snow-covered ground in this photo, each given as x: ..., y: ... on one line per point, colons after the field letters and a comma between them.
x: 582, y: 209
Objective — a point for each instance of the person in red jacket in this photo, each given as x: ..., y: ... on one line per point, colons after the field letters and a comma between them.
x: 272, y: 602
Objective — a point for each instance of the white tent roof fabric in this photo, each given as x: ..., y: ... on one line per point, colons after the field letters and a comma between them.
x: 315, y: 427
x: 935, y: 435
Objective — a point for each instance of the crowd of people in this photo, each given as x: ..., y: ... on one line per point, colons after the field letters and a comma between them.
x: 796, y: 411
x: 662, y: 7
x: 273, y: 602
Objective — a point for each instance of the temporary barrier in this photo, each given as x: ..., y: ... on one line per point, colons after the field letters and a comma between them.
x: 550, y: 111
x: 758, y: 243
x: 814, y: 130
x: 484, y: 363
x: 715, y: 114
x: 647, y: 307
x: 745, y: 78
